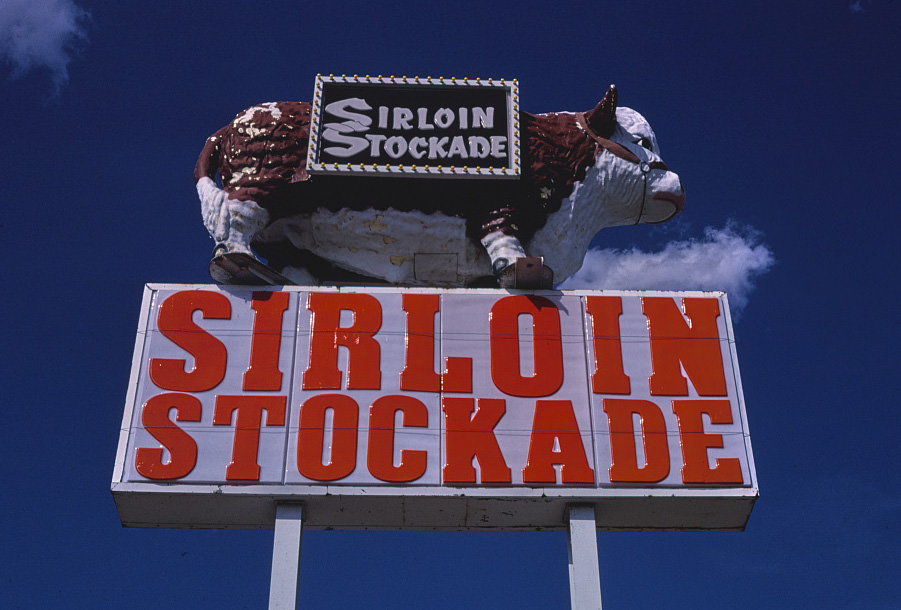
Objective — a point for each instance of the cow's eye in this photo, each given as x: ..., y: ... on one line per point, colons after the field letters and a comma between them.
x: 644, y: 142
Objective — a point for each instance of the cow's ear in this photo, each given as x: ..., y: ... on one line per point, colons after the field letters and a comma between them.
x: 602, y: 119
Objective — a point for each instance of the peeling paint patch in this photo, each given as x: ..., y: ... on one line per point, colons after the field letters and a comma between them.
x: 376, y: 225
x: 246, y: 173
x: 269, y: 107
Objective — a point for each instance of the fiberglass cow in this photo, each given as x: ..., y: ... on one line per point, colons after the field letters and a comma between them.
x: 581, y: 172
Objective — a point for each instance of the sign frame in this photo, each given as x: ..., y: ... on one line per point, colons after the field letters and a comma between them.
x: 509, y: 168
x: 349, y: 506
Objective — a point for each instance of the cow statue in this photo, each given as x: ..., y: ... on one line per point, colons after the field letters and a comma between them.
x: 581, y: 172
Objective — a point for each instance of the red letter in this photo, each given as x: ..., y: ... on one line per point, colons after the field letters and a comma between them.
x: 381, y: 439
x: 624, y: 459
x: 419, y: 367
x: 695, y: 345
x: 555, y: 421
x: 246, y: 446
x: 695, y: 442
x: 262, y: 374
x: 327, y: 334
x: 469, y: 437
x: 506, y: 369
x: 182, y: 448
x: 311, y: 437
x: 176, y: 324
x: 608, y: 376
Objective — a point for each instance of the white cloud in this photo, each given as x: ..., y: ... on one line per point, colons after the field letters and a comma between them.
x: 727, y: 259
x: 37, y: 34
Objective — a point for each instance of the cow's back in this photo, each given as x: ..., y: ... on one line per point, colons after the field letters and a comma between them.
x: 263, y: 150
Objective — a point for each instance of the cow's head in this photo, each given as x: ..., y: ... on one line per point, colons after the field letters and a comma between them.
x: 624, y: 183
x: 631, y: 152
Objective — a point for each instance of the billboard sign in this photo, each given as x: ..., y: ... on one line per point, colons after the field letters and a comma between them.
x: 428, y: 408
x: 419, y: 127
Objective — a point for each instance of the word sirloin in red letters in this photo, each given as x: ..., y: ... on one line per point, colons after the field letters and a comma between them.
x: 436, y: 388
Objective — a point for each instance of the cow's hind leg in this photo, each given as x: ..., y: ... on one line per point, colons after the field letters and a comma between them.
x: 232, y: 223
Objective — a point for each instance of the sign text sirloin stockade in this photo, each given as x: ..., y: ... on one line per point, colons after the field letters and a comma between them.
x: 348, y: 137
x: 429, y: 388
x: 377, y: 125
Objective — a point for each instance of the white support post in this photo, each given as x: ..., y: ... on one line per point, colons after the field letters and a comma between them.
x: 284, y: 585
x: 584, y: 572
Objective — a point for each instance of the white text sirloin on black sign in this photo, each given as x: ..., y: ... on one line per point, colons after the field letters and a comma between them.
x: 437, y: 388
x: 375, y: 126
x: 351, y: 119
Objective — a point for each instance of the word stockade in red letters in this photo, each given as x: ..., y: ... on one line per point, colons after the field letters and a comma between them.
x: 434, y: 409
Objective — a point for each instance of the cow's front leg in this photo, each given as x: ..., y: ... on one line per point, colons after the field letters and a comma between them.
x: 512, y: 267
x: 232, y: 223
x: 503, y: 249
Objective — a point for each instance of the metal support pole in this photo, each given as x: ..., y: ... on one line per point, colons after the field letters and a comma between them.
x: 584, y: 572
x: 284, y: 586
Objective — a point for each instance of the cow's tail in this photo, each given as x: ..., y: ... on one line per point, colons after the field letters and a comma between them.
x: 208, y: 162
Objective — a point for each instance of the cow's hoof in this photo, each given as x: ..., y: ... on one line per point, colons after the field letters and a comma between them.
x: 506, y: 277
x: 498, y: 266
x: 527, y: 273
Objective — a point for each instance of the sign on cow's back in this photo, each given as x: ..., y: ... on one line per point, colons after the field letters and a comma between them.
x: 419, y: 127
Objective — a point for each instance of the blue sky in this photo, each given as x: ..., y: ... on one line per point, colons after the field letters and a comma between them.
x: 781, y: 119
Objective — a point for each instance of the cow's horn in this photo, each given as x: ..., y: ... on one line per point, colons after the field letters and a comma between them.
x: 602, y: 119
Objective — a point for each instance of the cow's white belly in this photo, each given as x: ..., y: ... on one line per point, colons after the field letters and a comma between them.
x: 416, y: 249
x: 408, y: 248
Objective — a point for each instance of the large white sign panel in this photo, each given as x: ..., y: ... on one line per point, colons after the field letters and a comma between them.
x: 448, y: 409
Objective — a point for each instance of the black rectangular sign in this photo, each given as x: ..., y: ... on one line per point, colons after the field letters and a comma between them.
x: 441, y: 127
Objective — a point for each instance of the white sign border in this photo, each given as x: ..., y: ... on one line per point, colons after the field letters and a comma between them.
x: 426, y: 170
x: 250, y: 506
